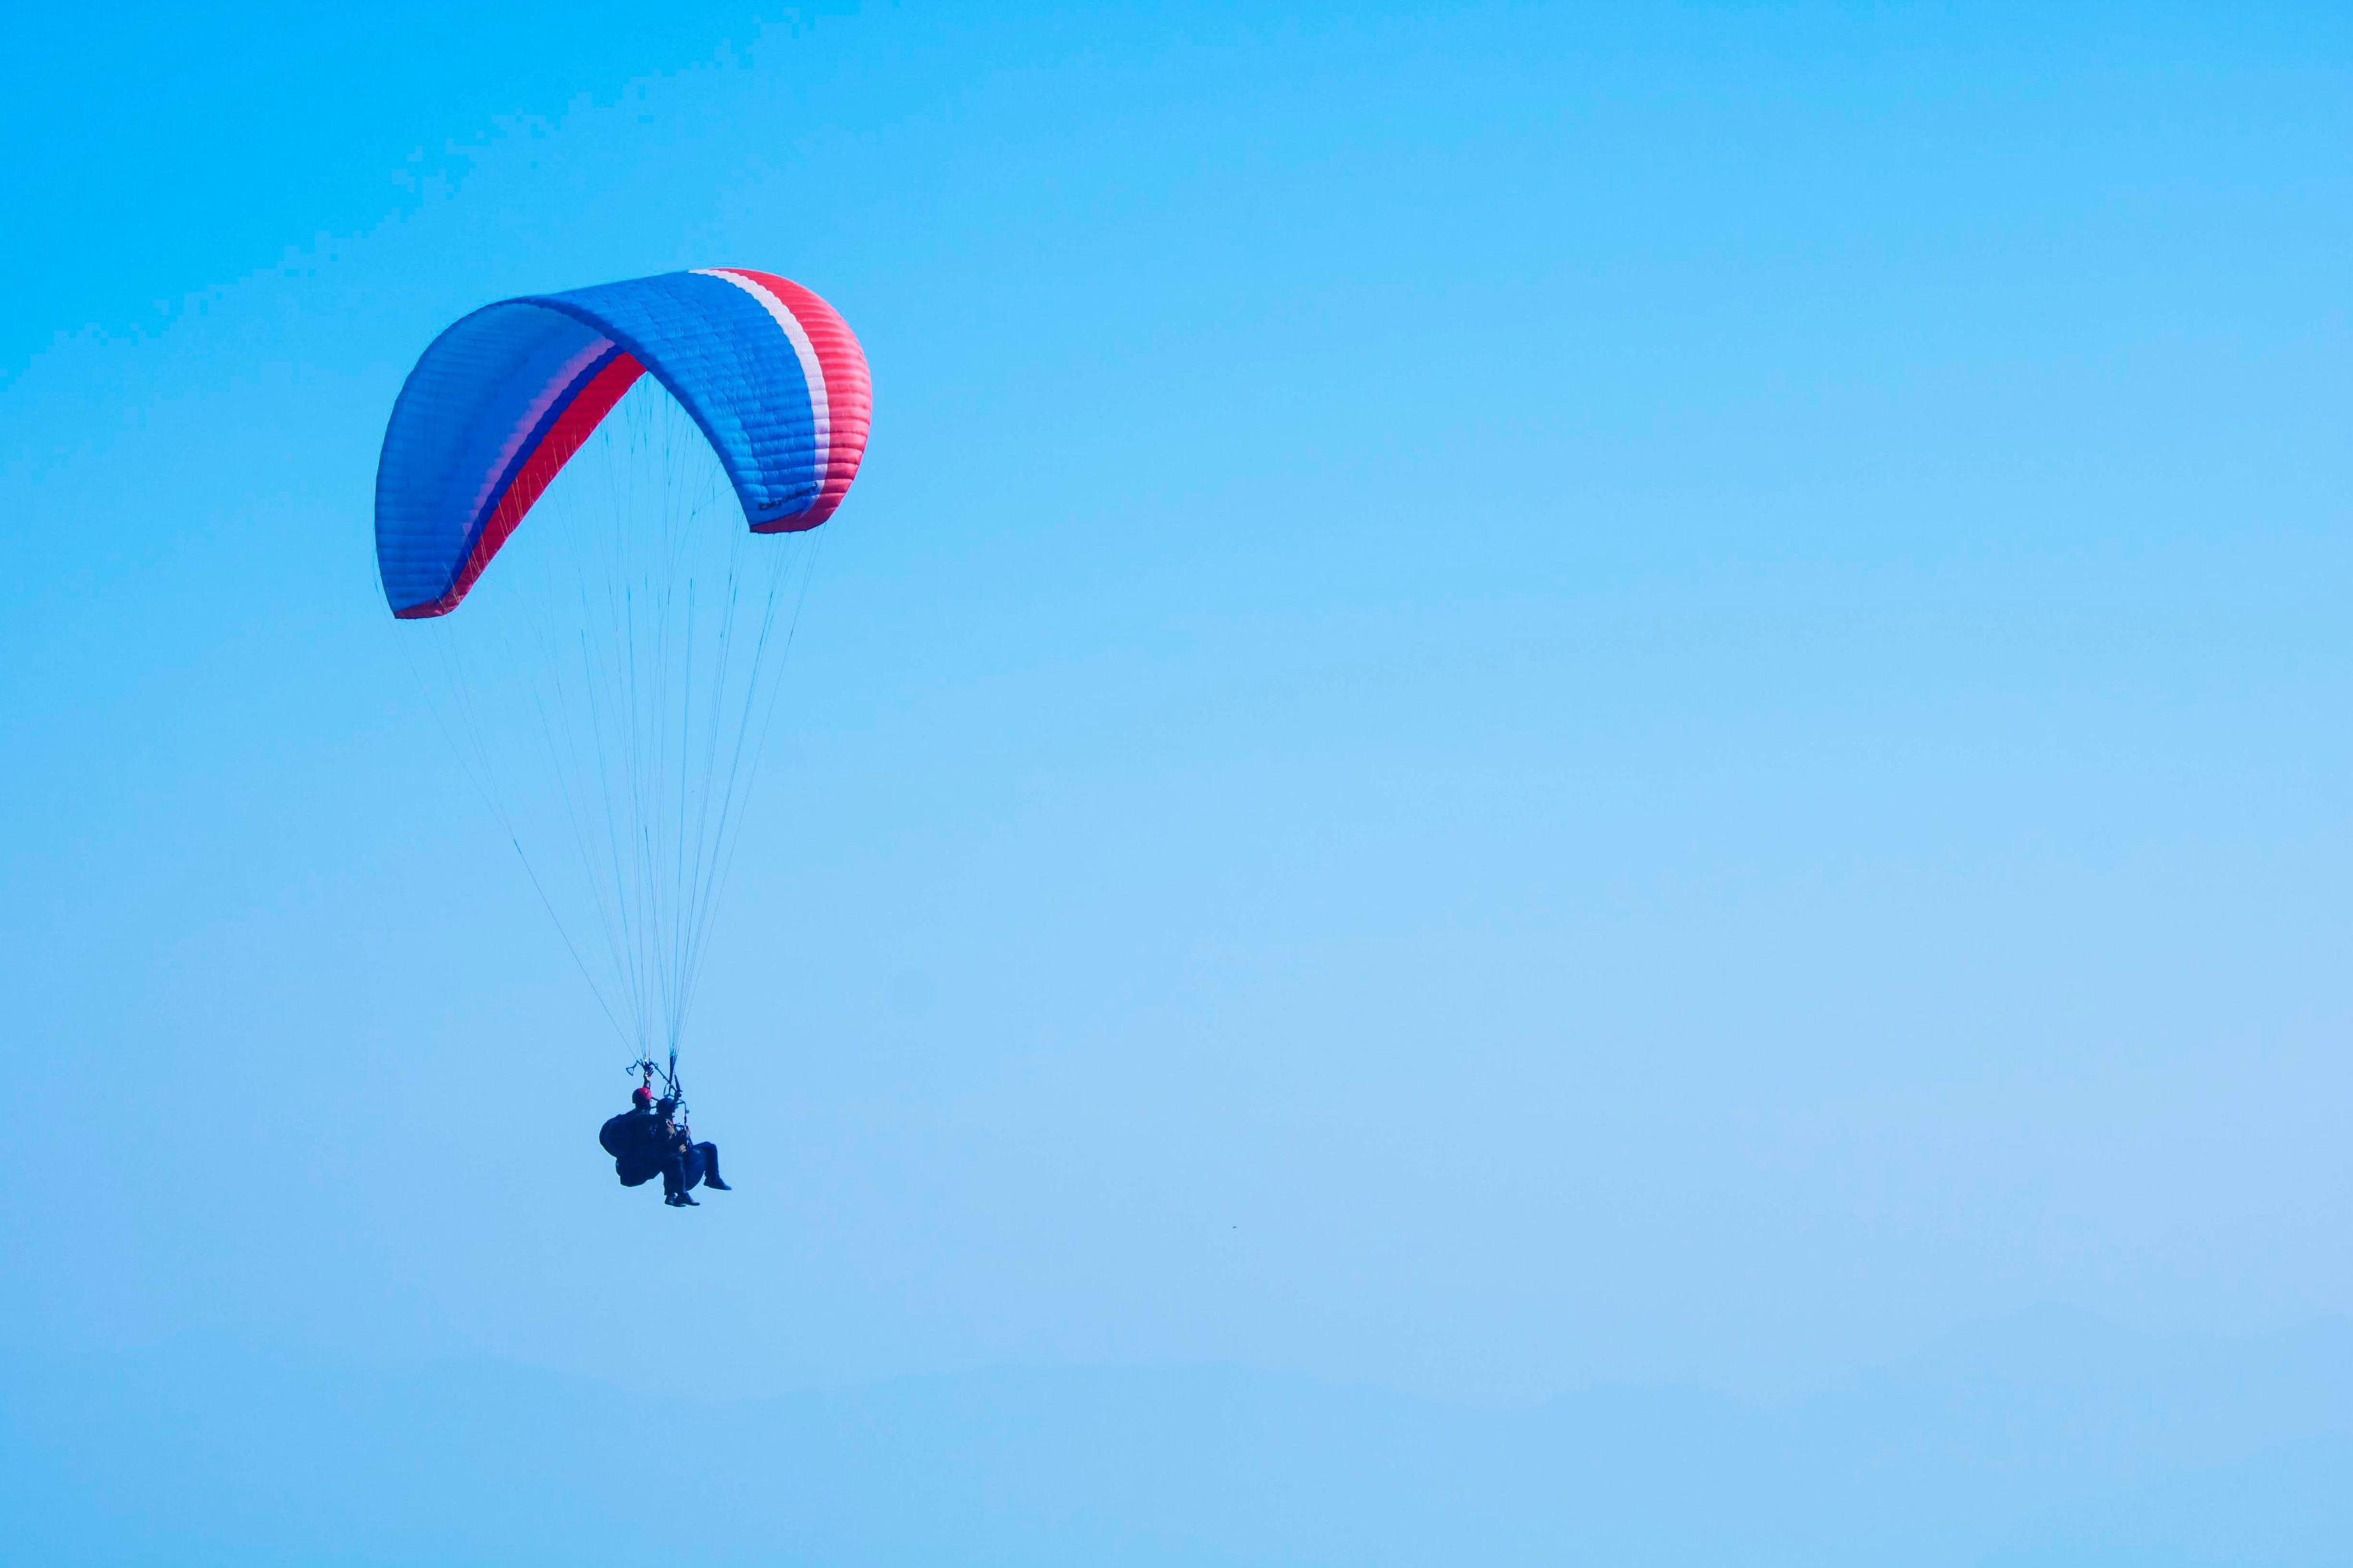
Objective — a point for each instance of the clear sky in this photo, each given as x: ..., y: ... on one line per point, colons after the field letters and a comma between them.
x: 1518, y: 702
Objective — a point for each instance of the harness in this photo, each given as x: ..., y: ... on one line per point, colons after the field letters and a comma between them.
x: 649, y: 1070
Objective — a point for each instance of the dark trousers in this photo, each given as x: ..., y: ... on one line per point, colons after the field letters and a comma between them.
x: 687, y: 1165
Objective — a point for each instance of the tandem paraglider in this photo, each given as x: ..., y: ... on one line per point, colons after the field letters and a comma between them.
x: 610, y: 688
x: 652, y: 1138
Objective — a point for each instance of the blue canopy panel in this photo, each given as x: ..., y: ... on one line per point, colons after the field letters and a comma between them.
x: 501, y: 401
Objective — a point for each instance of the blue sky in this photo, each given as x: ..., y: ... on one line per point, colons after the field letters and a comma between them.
x: 1516, y: 702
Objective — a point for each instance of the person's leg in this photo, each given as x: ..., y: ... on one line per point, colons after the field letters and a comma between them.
x: 674, y: 1173
x: 690, y: 1165
x: 709, y: 1153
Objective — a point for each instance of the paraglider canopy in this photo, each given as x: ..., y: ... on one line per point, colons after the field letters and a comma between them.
x: 610, y: 686
x: 503, y: 399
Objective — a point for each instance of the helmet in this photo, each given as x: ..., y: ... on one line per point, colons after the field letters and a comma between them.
x: 641, y: 1096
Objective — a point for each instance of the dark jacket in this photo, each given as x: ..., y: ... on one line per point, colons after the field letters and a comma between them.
x: 635, y: 1140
